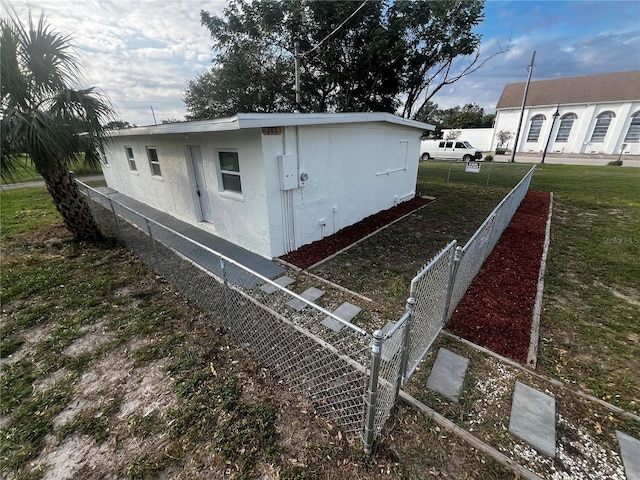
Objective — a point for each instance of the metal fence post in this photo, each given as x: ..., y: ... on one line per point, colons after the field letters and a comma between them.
x: 153, y: 244
x: 227, y: 300
x: 457, y: 256
x: 118, y: 232
x: 406, y: 339
x: 371, y: 401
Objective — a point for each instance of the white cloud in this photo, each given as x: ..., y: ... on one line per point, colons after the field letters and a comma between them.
x: 143, y: 52
x: 140, y: 52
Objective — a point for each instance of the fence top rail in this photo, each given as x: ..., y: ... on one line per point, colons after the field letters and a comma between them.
x: 397, y: 326
x: 495, y: 210
x: 226, y: 259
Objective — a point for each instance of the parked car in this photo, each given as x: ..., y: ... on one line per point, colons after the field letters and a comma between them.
x: 449, y: 150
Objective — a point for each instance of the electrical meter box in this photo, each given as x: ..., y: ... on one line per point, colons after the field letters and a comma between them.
x: 288, y: 167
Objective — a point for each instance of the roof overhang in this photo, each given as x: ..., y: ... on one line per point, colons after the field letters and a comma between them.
x: 243, y: 121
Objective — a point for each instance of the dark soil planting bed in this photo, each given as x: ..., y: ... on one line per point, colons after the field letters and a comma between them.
x: 312, y: 253
x: 496, y: 312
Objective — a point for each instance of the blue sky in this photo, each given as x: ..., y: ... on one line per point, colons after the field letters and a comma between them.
x: 143, y: 52
x: 570, y: 38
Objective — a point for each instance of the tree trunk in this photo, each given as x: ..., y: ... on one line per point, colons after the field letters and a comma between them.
x: 71, y: 204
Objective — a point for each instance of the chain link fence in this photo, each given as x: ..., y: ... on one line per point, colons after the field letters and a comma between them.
x: 353, y: 377
x: 481, y: 244
x: 331, y: 368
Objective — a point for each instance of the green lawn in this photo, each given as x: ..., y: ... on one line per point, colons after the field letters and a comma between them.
x: 590, y: 333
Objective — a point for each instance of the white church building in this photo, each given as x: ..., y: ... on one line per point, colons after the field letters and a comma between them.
x: 593, y: 114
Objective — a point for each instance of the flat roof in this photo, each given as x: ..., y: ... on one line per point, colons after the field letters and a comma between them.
x: 242, y: 121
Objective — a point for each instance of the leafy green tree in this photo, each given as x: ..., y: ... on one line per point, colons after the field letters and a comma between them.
x: 117, y: 125
x: 370, y: 56
x: 470, y: 115
x: 46, y: 118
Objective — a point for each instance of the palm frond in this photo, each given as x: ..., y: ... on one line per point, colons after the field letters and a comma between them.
x: 43, y: 114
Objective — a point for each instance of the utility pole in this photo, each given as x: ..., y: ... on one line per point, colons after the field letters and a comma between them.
x: 546, y: 147
x: 524, y: 100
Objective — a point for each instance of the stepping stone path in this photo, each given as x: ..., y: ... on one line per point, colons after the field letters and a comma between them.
x: 630, y: 452
x: 448, y: 374
x: 311, y: 294
x: 283, y: 281
x: 346, y: 312
x: 533, y: 419
x: 533, y: 413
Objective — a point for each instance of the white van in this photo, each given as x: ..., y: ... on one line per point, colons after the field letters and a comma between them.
x: 449, y: 150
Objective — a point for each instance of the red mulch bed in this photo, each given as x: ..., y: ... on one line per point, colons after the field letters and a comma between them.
x: 497, y: 310
x: 312, y: 253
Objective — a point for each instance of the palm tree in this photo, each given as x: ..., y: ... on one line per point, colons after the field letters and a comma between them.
x: 46, y: 119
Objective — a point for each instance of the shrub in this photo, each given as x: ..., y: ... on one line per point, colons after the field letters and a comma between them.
x: 616, y: 163
x: 488, y: 158
x: 500, y: 151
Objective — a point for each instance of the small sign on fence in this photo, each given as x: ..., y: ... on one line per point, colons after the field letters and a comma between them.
x: 472, y: 167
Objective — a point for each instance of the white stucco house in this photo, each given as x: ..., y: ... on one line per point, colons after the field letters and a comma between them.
x: 593, y: 114
x: 269, y: 182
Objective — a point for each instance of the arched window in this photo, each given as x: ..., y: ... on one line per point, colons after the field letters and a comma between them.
x: 602, y: 125
x: 535, y: 127
x: 566, y: 122
x: 633, y: 134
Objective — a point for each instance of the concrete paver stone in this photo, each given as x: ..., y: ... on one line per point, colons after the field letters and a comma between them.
x: 533, y: 419
x: 346, y: 312
x: 311, y: 294
x: 630, y: 453
x: 283, y: 281
x: 447, y: 374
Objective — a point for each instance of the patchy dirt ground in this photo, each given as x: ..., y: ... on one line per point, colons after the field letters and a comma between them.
x: 109, y: 373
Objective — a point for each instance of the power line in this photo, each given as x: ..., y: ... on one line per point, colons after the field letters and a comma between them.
x: 335, y: 30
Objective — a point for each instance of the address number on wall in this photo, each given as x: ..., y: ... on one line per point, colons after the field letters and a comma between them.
x: 271, y: 130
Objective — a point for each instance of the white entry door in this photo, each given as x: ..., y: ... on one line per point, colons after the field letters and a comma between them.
x: 201, y: 184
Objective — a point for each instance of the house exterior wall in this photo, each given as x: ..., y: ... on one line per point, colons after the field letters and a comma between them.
x: 579, y: 140
x: 241, y: 219
x: 354, y: 170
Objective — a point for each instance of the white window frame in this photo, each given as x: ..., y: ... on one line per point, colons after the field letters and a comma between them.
x: 131, y: 158
x: 601, y: 128
x: 633, y: 132
x: 224, y: 173
x: 566, y: 125
x: 154, y: 164
x: 535, y: 128
x: 103, y: 157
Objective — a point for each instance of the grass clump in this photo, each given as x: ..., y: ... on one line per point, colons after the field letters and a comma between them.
x: 211, y: 410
